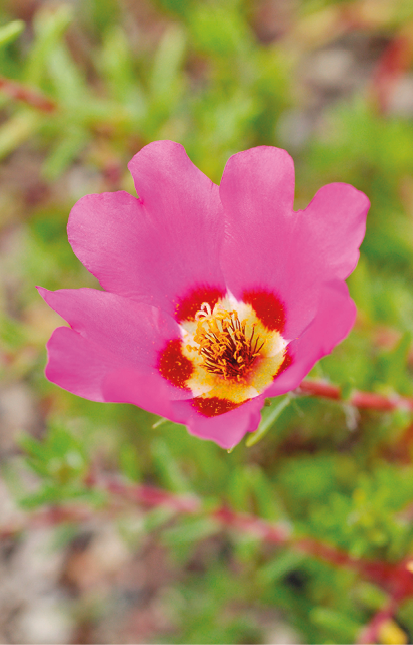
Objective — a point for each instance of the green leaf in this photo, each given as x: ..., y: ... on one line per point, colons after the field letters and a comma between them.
x: 10, y: 32
x: 268, y: 419
x: 167, y: 63
x: 279, y: 567
x: 168, y: 467
x: 394, y: 364
x: 336, y: 623
x: 191, y: 530
x: 219, y: 31
x: 69, y: 84
x: 58, y: 457
x: 65, y: 150
x: 117, y: 65
x: 50, y: 25
x: 238, y: 489
x: 17, y: 129
x: 263, y: 492
x: 129, y: 462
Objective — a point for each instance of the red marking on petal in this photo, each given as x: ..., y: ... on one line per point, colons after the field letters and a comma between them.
x: 213, y: 406
x: 188, y: 306
x: 268, y: 307
x: 173, y: 365
x: 288, y: 360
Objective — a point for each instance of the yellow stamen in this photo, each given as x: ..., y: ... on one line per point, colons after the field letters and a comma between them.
x: 226, y: 348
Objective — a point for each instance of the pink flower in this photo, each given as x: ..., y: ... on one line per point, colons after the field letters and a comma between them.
x: 214, y: 297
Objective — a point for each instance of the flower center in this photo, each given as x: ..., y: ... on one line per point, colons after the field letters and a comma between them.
x: 226, y: 348
x: 226, y: 355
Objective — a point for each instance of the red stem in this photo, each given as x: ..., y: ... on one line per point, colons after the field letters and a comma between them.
x: 396, y: 579
x: 371, y: 632
x: 365, y: 400
x: 152, y: 496
x: 26, y: 94
x: 394, y: 62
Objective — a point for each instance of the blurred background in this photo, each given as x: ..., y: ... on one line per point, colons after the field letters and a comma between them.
x: 83, y: 86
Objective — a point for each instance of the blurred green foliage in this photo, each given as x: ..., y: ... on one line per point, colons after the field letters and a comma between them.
x: 62, y: 466
x: 199, y: 73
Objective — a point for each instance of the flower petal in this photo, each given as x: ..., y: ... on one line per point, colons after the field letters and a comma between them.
x: 334, y: 319
x: 130, y: 334
x: 225, y: 429
x: 263, y: 247
x: 77, y: 365
x: 337, y: 216
x: 159, y: 247
x: 146, y: 391
x: 292, y: 253
x: 89, y: 371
